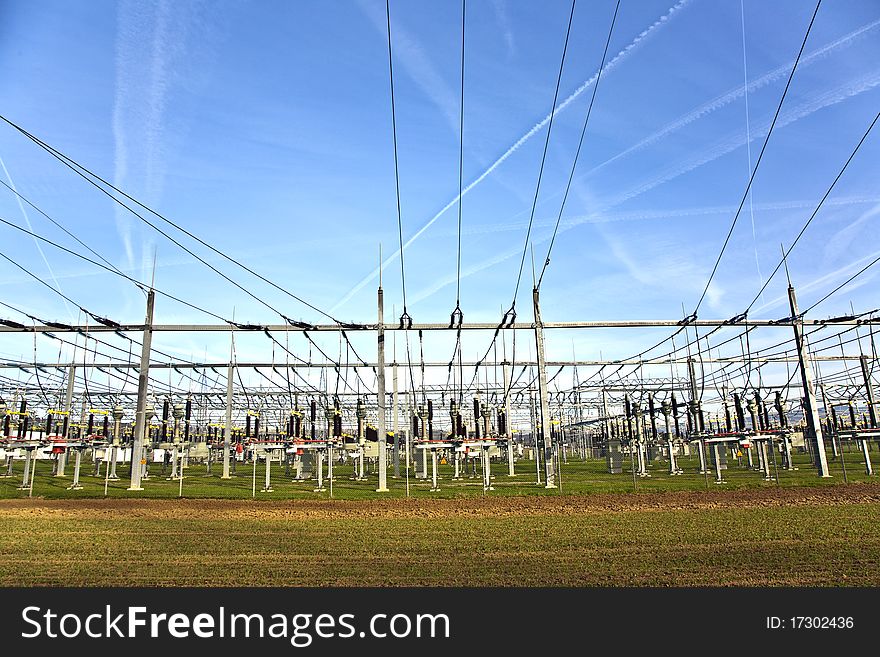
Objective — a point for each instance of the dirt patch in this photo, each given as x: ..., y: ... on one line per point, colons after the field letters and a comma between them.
x: 468, y: 507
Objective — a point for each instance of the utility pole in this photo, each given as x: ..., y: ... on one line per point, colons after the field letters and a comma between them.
x: 380, y: 384
x: 140, y: 429
x: 508, y: 430
x: 394, y: 420
x: 549, y: 462
x: 869, y: 391
x: 227, y: 429
x: 814, y: 427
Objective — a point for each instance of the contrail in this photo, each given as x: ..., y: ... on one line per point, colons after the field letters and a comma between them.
x: 730, y: 96
x: 643, y: 215
x: 820, y: 101
x: 832, y: 97
x: 516, y: 146
x: 27, y: 220
x: 152, y: 78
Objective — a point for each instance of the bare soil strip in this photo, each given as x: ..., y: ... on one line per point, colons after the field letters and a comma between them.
x: 470, y: 507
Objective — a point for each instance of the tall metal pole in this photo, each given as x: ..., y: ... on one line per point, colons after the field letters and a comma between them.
x: 227, y: 428
x: 380, y: 383
x: 68, y: 403
x: 140, y: 430
x: 814, y: 426
x: 869, y: 390
x: 507, y: 428
x: 394, y: 421
x: 549, y: 462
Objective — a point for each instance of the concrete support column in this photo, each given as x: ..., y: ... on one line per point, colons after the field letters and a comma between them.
x: 549, y: 462
x: 380, y: 399
x: 140, y: 421
x: 814, y: 426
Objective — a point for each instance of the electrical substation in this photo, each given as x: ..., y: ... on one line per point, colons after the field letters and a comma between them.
x: 112, y: 415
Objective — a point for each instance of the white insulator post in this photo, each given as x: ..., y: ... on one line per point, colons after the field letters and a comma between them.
x: 320, y: 464
x: 27, y: 470
x: 118, y: 413
x: 434, y: 486
x: 718, y: 478
x: 868, y: 469
x: 268, y: 486
x: 75, y: 485
x: 786, y: 443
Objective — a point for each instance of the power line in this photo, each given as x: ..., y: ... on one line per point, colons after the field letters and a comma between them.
x: 509, y: 317
x: 113, y: 270
x: 56, y: 223
x: 844, y: 284
x: 580, y: 144
x: 405, y: 315
x: 757, y: 162
x: 460, y: 169
x: 543, y: 159
x: 90, y: 177
x: 87, y: 175
x: 816, y: 211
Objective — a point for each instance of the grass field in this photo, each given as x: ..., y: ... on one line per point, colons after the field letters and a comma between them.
x: 827, y: 536
x: 577, y: 477
x: 600, y: 529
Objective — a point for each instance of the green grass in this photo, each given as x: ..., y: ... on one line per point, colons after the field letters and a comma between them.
x: 675, y: 531
x: 199, y: 543
x: 577, y: 477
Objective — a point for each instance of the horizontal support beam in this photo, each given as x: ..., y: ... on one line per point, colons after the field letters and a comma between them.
x: 550, y: 363
x: 484, y: 326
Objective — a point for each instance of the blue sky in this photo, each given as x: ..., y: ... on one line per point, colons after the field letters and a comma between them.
x: 265, y: 128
